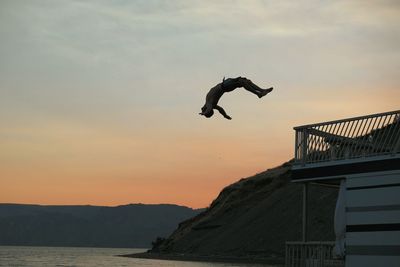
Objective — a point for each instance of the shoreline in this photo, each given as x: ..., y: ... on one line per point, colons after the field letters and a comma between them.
x: 207, y: 258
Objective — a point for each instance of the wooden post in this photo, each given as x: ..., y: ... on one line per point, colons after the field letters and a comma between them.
x: 305, y: 192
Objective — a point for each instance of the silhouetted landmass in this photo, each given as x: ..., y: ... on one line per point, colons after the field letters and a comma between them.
x: 252, y: 219
x: 135, y: 225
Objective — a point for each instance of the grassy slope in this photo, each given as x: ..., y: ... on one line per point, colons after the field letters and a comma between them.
x: 254, y: 217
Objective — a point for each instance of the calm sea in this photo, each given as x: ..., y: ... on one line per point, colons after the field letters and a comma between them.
x: 88, y: 257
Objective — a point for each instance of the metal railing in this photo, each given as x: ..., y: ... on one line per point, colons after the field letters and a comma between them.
x: 359, y: 137
x: 311, y: 254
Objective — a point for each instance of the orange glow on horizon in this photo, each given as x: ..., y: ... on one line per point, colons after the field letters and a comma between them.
x: 70, y: 164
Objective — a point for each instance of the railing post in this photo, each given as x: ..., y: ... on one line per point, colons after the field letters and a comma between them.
x: 396, y: 146
x: 333, y: 152
x: 304, y: 146
x: 286, y: 255
x: 321, y: 255
x: 296, y: 146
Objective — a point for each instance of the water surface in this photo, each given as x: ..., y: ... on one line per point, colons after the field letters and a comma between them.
x: 11, y: 256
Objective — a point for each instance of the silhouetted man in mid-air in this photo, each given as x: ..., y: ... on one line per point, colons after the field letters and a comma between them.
x: 229, y: 85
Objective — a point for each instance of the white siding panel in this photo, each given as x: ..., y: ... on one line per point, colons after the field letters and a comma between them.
x: 373, y: 217
x: 373, y: 197
x: 372, y: 261
x: 387, y: 176
x: 384, y: 238
x: 376, y: 178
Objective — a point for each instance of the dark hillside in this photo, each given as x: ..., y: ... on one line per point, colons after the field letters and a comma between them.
x: 254, y: 217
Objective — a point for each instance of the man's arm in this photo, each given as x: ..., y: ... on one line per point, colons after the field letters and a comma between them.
x: 222, y: 111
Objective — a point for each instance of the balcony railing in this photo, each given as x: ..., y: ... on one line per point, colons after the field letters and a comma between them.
x: 359, y: 137
x: 311, y: 254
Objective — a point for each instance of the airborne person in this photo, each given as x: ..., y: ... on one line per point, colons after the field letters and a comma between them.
x: 229, y: 85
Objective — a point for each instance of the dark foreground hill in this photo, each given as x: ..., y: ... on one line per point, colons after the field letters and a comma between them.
x: 135, y: 225
x: 253, y: 218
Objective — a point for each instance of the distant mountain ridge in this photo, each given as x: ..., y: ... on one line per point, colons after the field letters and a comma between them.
x: 133, y: 225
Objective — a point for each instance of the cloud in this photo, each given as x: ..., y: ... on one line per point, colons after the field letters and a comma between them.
x: 119, y: 80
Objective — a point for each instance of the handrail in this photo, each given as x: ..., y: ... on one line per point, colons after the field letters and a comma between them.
x: 347, y: 119
x: 357, y: 137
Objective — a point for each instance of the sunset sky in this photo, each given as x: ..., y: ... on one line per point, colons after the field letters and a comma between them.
x: 99, y: 100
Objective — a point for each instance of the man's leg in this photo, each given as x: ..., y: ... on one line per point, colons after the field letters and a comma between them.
x: 264, y: 92
x: 251, y: 87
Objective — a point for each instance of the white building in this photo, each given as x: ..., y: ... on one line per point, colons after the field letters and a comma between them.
x: 361, y: 156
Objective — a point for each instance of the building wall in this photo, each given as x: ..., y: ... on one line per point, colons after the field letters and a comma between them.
x: 373, y: 219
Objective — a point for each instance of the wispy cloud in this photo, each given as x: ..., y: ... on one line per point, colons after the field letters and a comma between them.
x: 119, y: 80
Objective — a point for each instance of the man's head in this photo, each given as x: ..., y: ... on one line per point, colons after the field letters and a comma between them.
x: 208, y: 112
